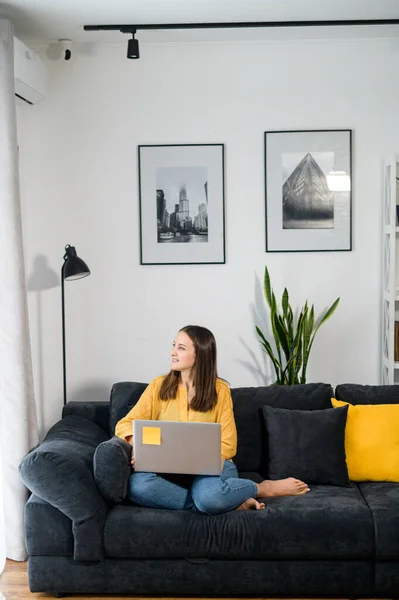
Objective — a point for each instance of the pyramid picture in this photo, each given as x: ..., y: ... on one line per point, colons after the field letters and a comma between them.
x: 307, y: 201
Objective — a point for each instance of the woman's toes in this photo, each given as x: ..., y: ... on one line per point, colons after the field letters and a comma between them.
x: 301, y: 484
x: 251, y: 504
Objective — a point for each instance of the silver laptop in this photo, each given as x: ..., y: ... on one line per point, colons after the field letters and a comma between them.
x: 177, y: 447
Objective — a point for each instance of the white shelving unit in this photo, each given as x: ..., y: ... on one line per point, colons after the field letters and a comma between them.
x: 390, y: 276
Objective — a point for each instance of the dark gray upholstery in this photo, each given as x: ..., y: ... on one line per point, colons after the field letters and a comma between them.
x: 124, y: 396
x: 334, y: 541
x: 180, y: 577
x: 382, y: 499
x: 97, y: 412
x: 367, y: 394
x: 386, y: 579
x: 252, y: 449
x: 314, y: 448
x: 56, y: 538
x: 267, y: 534
x: 112, y: 469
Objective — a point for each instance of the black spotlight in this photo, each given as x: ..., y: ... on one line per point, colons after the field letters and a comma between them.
x: 133, y: 47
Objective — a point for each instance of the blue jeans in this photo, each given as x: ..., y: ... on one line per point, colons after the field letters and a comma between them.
x: 208, y: 494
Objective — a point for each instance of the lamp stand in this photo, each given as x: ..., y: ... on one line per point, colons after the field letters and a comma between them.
x: 72, y: 268
x: 63, y: 332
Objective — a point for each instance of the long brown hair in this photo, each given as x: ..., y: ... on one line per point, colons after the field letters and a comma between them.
x: 204, y: 371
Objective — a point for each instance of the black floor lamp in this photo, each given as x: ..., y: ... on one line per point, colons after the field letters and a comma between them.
x: 73, y: 268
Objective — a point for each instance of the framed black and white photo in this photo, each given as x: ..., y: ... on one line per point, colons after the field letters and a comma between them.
x: 308, y: 190
x: 181, y: 204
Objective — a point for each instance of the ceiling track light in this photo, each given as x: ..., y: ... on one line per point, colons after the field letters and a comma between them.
x: 133, y: 45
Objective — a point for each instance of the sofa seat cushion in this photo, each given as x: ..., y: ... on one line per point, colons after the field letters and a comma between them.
x: 382, y: 499
x: 328, y: 522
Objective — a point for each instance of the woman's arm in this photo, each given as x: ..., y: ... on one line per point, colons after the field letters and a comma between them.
x: 226, y: 419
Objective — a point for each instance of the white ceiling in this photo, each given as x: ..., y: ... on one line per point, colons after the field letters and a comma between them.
x: 43, y: 21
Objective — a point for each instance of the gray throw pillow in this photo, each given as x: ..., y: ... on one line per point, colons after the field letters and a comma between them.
x: 307, y: 444
x: 111, y: 467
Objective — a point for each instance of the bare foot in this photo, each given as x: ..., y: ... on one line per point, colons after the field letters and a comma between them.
x: 282, y: 487
x: 251, y: 504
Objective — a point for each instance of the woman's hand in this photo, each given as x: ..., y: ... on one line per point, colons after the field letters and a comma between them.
x: 129, y: 440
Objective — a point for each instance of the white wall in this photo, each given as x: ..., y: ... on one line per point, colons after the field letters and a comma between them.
x: 78, y: 154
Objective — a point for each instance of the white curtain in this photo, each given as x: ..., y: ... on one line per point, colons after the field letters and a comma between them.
x: 18, y: 424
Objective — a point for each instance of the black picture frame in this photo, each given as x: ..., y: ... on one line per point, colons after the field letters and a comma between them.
x: 181, y: 204
x: 308, y: 190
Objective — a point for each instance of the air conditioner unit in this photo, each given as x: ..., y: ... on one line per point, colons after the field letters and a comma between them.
x: 29, y: 73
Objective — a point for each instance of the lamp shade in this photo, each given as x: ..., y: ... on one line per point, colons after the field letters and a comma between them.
x: 74, y: 267
x: 133, y: 48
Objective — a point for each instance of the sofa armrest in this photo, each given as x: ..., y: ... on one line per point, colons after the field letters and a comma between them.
x: 60, y: 472
x: 112, y: 460
x: 97, y: 412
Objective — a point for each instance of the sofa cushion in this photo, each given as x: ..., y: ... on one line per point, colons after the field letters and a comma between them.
x: 383, y: 502
x: 372, y: 441
x: 111, y: 467
x: 252, y: 449
x: 328, y: 522
x: 307, y: 444
x: 367, y: 394
x: 124, y: 395
x: 97, y: 412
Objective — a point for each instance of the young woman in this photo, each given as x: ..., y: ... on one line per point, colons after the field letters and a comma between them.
x: 192, y: 392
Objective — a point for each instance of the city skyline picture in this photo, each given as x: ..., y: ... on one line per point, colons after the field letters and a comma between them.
x: 182, y: 204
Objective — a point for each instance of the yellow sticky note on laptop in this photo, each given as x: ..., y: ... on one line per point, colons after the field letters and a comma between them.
x: 152, y: 435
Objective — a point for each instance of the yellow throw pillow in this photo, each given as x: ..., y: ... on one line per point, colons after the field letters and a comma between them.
x: 372, y: 441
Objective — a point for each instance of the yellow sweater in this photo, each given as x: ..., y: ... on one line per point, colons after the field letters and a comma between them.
x: 150, y: 406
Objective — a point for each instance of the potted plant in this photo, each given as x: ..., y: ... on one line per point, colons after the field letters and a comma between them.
x: 293, y: 341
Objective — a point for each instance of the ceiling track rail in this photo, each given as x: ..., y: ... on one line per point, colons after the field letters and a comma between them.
x: 240, y: 25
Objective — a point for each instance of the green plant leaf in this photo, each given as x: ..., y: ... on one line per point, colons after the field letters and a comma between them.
x: 290, y: 320
x: 293, y: 340
x: 267, y: 288
x: 296, y: 348
x: 328, y: 314
x: 273, y: 314
x: 307, y: 329
x: 285, y: 303
x: 268, y: 349
x: 282, y: 334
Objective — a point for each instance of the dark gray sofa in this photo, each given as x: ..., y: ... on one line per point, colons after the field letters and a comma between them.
x: 83, y: 536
